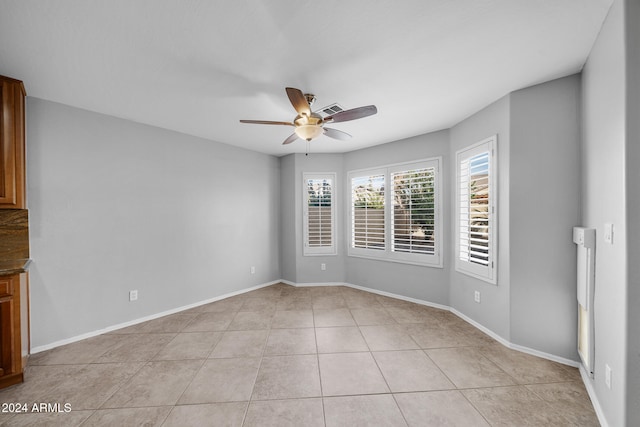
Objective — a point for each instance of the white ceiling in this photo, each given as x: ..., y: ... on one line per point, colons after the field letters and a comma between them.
x: 198, y: 66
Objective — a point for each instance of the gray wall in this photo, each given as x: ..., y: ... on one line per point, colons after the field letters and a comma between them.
x: 533, y: 303
x: 308, y: 267
x: 603, y: 181
x: 544, y: 206
x: 288, y: 208
x: 116, y: 205
x: 425, y: 283
x: 493, y: 311
x: 632, y: 25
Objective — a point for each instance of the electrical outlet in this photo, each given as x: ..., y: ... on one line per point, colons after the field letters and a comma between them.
x: 133, y: 295
x: 253, y: 269
x: 323, y: 266
x: 607, y: 376
x: 476, y: 297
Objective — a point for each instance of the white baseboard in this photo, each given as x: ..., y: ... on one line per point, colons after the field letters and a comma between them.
x: 594, y: 397
x: 81, y: 337
x: 308, y: 285
x: 513, y: 346
x: 396, y: 296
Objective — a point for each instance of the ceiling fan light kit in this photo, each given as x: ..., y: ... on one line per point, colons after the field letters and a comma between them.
x: 309, y: 125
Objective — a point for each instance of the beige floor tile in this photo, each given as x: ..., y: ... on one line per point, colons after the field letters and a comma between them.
x: 476, y: 337
x: 524, y: 368
x: 171, y: 323
x: 467, y: 367
x: 394, y: 302
x: 210, y: 322
x: 513, y: 406
x: 190, y: 345
x: 294, y: 302
x: 350, y: 373
x: 44, y: 419
x: 286, y: 377
x: 328, y: 302
x: 288, y: 291
x: 133, y: 329
x: 439, y: 408
x: 39, y: 383
x: 411, y: 370
x: 227, y: 305
x: 136, y: 375
x: 259, y: 304
x: 372, y: 316
x: 136, y: 348
x: 6, y: 416
x: 285, y: 413
x: 292, y: 319
x: 235, y: 379
x: 361, y: 301
x: 340, y: 340
x: 388, y: 337
x: 324, y: 291
x: 291, y: 341
x: 435, y: 336
x: 570, y: 400
x: 376, y: 410
x: 157, y: 383
x: 85, y: 351
x: 240, y: 344
x: 210, y: 414
x: 333, y: 317
x: 91, y: 386
x: 251, y: 320
x: 129, y: 417
x: 273, y: 291
x: 410, y: 315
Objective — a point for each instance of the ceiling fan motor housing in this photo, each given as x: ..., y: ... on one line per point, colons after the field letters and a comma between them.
x: 311, y: 98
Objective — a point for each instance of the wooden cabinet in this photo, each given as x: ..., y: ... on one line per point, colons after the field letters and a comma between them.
x: 13, y: 326
x: 12, y: 144
x: 14, y: 234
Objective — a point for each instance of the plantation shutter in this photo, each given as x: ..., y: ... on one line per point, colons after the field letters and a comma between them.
x: 413, y: 219
x: 476, y: 213
x: 474, y: 209
x: 367, y: 212
x: 319, y: 214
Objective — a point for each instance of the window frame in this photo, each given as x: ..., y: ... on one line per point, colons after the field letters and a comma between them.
x: 488, y: 273
x: 308, y: 250
x: 388, y: 254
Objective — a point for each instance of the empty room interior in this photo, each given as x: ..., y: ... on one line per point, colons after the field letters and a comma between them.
x: 259, y: 213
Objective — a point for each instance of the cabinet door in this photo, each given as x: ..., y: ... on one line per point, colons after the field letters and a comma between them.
x: 6, y: 337
x: 12, y: 164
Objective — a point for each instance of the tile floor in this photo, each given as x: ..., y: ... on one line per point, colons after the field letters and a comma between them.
x: 285, y: 356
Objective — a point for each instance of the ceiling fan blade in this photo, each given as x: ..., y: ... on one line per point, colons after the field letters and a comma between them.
x: 291, y: 138
x: 353, y: 114
x: 266, y: 122
x: 336, y: 134
x: 298, y: 101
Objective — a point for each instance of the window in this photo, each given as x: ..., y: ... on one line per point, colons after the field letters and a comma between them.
x: 394, y: 213
x: 475, y: 210
x: 319, y: 214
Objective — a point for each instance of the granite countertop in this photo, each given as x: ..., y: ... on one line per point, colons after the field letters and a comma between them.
x: 14, y: 266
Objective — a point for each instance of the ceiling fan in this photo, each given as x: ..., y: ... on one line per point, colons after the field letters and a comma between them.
x: 309, y: 125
